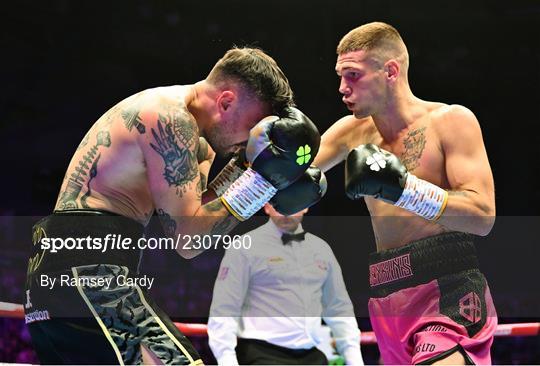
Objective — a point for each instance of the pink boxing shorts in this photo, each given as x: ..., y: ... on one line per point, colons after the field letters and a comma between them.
x: 429, y: 300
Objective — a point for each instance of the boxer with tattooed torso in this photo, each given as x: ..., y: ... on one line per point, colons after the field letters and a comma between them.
x: 152, y: 152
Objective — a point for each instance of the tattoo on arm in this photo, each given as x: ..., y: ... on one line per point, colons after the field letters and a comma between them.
x: 175, y: 140
x: 213, y: 206
x: 224, y: 226
x: 167, y: 222
x: 226, y: 223
x: 202, y: 183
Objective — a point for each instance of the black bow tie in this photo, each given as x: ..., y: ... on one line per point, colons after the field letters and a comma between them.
x: 287, y: 238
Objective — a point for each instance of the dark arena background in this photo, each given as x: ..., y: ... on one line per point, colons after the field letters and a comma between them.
x: 64, y: 63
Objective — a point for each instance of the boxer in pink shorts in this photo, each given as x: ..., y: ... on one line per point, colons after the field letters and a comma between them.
x: 424, y: 173
x: 431, y: 293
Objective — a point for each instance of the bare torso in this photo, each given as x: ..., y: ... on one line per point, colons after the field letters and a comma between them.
x: 418, y: 147
x: 108, y: 170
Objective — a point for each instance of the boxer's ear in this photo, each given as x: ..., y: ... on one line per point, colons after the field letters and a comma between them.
x: 225, y: 100
x: 391, y: 69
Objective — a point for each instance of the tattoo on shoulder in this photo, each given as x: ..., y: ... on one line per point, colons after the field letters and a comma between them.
x: 414, y: 143
x: 83, y: 174
x: 168, y: 223
x: 175, y: 140
x: 129, y: 110
x: 131, y: 119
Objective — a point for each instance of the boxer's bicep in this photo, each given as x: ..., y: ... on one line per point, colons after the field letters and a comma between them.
x: 467, y: 165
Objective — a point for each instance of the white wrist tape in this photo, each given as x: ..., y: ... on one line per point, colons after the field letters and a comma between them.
x: 423, y: 198
x: 247, y: 194
x: 226, y: 177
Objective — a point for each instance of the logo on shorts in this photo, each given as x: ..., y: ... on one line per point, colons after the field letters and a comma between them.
x: 470, y: 307
x: 391, y: 270
x: 35, y: 316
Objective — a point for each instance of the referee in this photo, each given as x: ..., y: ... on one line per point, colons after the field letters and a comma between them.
x: 269, y: 299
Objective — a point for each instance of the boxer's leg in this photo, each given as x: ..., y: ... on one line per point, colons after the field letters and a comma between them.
x: 131, y: 320
x: 455, y: 358
x: 463, y: 331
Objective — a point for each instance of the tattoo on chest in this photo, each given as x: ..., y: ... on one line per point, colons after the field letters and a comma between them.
x: 414, y: 143
x: 176, y: 140
x: 83, y: 174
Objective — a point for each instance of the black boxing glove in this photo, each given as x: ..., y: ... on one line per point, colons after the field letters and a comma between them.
x: 282, y: 148
x: 295, y: 126
x: 278, y: 152
x: 372, y: 171
x: 303, y: 193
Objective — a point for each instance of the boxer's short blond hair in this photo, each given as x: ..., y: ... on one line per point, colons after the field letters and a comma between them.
x: 380, y: 38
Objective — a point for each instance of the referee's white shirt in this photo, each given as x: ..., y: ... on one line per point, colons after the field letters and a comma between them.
x: 278, y: 293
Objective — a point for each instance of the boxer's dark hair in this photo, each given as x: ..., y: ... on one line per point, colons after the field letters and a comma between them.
x: 258, y: 73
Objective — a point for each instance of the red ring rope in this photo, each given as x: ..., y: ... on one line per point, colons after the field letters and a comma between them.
x: 9, y: 310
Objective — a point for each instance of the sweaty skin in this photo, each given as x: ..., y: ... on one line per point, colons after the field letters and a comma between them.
x: 441, y: 144
x: 436, y: 142
x: 145, y: 154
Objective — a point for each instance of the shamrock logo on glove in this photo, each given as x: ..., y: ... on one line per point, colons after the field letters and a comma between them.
x: 376, y: 161
x: 303, y: 154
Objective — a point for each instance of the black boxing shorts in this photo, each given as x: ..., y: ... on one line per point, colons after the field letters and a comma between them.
x: 82, y: 308
x: 429, y: 300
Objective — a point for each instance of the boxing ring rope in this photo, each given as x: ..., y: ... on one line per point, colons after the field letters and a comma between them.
x: 9, y: 310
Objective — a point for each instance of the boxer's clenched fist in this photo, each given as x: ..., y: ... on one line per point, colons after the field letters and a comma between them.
x: 372, y: 171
